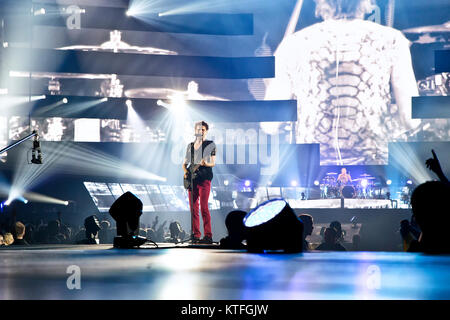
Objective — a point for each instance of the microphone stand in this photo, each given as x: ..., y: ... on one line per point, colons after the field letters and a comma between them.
x: 192, y: 192
x: 191, y: 196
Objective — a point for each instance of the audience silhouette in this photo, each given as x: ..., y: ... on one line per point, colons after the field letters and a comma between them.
x: 308, y: 227
x: 430, y: 207
x: 330, y: 241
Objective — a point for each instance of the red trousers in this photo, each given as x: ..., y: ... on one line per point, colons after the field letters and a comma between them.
x: 201, y: 190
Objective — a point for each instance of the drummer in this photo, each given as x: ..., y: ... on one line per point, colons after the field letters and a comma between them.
x: 344, y: 178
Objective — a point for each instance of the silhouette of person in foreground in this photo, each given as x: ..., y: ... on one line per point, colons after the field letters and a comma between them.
x: 20, y: 233
x: 430, y: 207
x: 434, y: 165
x: 236, y: 230
x: 308, y: 228
x: 330, y: 241
x: 336, y: 225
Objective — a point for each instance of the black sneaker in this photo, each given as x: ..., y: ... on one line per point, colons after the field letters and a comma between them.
x: 206, y: 240
x: 195, y: 239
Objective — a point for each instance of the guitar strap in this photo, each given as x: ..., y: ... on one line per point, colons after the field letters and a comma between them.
x: 192, y: 154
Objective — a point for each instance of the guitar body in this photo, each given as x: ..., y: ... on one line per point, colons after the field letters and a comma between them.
x: 187, y: 180
x: 192, y: 174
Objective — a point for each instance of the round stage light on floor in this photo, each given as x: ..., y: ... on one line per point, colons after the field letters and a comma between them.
x: 273, y: 225
x: 388, y: 182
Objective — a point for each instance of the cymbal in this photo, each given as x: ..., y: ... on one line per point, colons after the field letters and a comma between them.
x: 364, y: 175
x: 123, y: 48
x: 331, y: 173
x: 430, y: 29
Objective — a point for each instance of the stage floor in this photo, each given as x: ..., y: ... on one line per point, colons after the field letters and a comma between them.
x: 41, y: 272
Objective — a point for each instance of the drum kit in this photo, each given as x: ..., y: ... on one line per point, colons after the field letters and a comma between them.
x: 363, y: 187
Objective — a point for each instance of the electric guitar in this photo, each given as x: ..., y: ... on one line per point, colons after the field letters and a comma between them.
x: 191, y: 174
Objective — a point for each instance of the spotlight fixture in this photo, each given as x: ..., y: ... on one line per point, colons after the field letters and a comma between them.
x: 36, y: 154
x: 247, y: 183
x: 39, y: 12
x: 409, y: 181
x: 388, y: 182
x: 316, y: 182
x: 126, y: 210
x: 226, y: 182
x: 65, y: 100
x: 293, y: 183
x: 273, y: 225
x: 129, y: 103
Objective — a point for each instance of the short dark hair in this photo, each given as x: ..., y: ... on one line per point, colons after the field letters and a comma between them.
x: 203, y: 124
x: 306, y: 218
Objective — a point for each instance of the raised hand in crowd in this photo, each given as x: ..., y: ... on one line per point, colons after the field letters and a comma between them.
x: 434, y: 165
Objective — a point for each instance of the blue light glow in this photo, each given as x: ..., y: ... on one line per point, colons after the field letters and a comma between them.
x: 264, y: 212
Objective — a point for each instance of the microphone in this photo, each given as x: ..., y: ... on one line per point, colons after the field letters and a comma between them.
x: 36, y: 154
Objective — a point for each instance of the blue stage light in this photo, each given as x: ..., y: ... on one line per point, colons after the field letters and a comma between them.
x: 264, y: 212
x: 273, y: 225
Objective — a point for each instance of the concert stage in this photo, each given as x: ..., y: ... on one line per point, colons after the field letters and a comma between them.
x: 345, y: 203
x: 41, y: 272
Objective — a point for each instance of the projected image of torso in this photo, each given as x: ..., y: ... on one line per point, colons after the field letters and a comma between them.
x: 342, y: 84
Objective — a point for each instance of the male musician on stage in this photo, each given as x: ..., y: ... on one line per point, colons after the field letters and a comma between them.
x: 344, y: 178
x: 204, y: 156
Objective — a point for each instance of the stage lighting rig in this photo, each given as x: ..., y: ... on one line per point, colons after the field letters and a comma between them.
x: 126, y: 210
x: 273, y: 225
x: 36, y: 154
